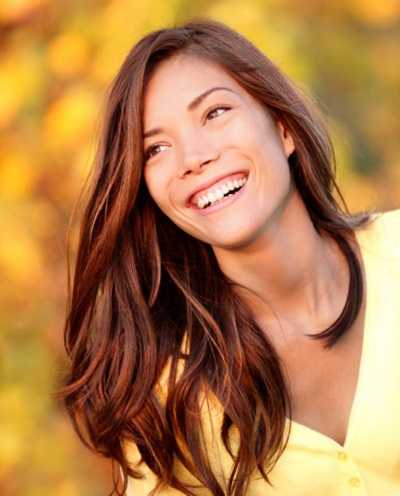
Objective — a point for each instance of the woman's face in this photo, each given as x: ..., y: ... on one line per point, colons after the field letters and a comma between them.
x: 205, y: 137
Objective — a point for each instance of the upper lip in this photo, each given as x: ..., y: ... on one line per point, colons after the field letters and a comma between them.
x: 207, y: 184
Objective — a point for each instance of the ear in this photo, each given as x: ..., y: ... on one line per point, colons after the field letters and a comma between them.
x: 287, y: 140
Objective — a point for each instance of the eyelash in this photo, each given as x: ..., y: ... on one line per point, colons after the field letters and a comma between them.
x: 152, y: 147
x: 147, y: 154
x: 218, y: 108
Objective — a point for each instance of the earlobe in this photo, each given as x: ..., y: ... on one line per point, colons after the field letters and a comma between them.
x: 287, y: 140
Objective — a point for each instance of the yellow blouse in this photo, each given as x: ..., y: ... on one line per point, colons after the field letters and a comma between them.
x: 312, y: 463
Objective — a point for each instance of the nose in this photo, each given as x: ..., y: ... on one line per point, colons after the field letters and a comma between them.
x: 195, y: 155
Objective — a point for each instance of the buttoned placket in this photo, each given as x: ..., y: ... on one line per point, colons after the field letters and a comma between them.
x: 352, y: 480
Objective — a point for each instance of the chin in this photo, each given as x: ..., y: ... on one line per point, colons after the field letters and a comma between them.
x: 236, y: 239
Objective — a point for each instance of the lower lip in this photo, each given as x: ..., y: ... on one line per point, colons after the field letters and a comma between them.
x: 224, y: 203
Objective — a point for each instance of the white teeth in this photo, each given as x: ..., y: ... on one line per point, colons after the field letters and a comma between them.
x: 220, y: 192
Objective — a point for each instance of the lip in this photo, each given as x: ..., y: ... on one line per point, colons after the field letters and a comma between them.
x: 222, y: 204
x: 207, y: 184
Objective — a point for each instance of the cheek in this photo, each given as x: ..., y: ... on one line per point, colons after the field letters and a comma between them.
x: 154, y: 186
x: 266, y: 141
x: 240, y: 132
x: 248, y: 132
x: 158, y: 188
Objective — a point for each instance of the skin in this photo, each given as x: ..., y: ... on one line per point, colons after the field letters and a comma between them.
x: 265, y: 241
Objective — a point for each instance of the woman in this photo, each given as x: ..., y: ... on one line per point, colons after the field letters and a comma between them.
x: 224, y: 304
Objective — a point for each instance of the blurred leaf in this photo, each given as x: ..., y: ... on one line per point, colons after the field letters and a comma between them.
x: 17, y: 175
x: 14, y: 10
x: 20, y: 258
x: 70, y: 119
x: 68, y: 54
x: 376, y: 11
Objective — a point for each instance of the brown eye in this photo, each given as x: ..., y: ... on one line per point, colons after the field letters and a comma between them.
x: 214, y: 111
x: 151, y: 151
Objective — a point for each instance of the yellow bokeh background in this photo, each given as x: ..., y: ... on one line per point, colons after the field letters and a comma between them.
x: 56, y: 62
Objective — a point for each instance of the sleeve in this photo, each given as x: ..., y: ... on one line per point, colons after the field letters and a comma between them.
x: 219, y: 459
x: 389, y: 234
x: 143, y: 487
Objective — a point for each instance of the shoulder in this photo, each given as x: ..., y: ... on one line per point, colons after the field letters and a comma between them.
x: 381, y: 237
x: 388, y: 220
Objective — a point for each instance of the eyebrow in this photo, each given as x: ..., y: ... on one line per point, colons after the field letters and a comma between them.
x: 192, y: 106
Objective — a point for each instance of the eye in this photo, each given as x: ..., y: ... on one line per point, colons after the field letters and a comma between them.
x: 215, y: 109
x: 151, y: 151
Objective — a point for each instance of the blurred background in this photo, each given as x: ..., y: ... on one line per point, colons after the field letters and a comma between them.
x: 56, y: 60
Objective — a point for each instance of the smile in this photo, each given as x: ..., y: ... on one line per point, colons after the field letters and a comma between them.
x: 216, y: 195
x: 225, y: 194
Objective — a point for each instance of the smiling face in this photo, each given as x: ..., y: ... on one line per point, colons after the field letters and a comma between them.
x: 206, y: 137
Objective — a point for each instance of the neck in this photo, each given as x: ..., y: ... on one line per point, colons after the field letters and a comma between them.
x: 290, y: 272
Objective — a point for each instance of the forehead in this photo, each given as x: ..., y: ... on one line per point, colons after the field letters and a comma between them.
x: 175, y: 82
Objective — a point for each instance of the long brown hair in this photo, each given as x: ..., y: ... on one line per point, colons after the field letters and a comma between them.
x: 141, y: 285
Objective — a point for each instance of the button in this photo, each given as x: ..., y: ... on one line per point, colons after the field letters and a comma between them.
x: 342, y: 456
x: 354, y: 482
